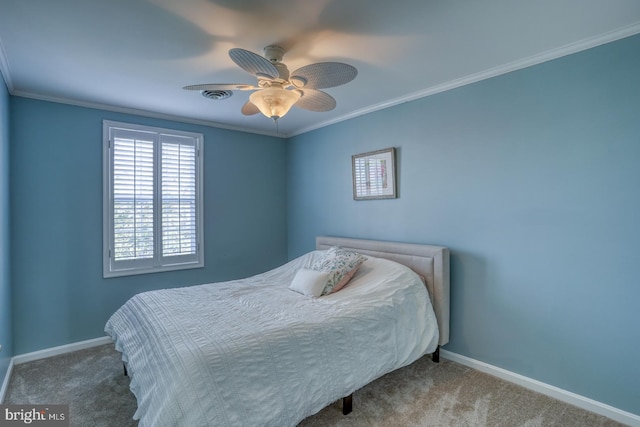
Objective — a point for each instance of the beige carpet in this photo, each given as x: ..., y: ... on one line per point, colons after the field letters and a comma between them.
x: 422, y: 394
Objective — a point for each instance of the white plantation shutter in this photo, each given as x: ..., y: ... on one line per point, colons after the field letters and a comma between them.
x: 132, y: 197
x: 178, y: 159
x: 153, y: 206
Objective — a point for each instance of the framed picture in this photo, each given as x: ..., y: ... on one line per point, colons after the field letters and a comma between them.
x: 374, y: 175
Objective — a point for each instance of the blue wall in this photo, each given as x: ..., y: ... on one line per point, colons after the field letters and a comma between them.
x: 59, y: 295
x: 532, y: 179
x: 5, y: 278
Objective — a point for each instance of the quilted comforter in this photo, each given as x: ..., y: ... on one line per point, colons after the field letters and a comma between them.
x: 252, y: 352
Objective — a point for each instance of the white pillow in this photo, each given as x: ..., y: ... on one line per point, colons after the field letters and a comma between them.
x: 310, y: 282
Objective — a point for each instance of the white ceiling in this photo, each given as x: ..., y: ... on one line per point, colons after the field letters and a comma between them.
x: 136, y: 55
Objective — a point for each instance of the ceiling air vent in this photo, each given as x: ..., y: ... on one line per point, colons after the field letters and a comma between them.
x: 217, y: 94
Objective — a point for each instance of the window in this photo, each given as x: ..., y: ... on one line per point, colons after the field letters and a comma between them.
x: 152, y: 199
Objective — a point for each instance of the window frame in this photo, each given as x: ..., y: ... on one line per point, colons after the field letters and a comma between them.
x: 158, y: 263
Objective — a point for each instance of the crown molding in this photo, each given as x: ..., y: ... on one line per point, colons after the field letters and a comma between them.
x: 138, y: 112
x: 565, y: 50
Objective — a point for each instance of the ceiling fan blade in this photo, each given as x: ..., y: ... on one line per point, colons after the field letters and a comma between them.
x: 253, y: 63
x: 323, y: 75
x: 249, y: 109
x: 221, y: 86
x: 315, y: 100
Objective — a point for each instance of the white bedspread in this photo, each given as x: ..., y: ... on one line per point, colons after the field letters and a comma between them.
x: 254, y: 353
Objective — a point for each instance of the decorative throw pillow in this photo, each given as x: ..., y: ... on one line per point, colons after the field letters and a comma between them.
x: 343, y: 282
x: 341, y: 265
x: 309, y: 282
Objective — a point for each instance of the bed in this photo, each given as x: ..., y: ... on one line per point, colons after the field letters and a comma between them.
x: 253, y: 352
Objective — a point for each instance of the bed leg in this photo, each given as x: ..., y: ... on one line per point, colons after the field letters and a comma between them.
x: 126, y: 374
x: 436, y: 355
x: 347, y: 404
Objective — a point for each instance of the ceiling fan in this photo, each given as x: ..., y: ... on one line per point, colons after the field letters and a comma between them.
x: 278, y: 90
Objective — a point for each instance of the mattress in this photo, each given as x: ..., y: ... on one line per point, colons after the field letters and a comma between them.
x: 253, y: 352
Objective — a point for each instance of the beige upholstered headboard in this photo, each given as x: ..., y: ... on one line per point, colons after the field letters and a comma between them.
x: 432, y: 262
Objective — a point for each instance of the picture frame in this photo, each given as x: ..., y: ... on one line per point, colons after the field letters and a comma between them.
x: 374, y: 175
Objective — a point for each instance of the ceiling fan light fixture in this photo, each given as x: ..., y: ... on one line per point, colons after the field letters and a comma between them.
x: 277, y: 89
x: 274, y: 102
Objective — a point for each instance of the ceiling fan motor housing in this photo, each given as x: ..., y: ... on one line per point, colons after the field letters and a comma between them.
x: 273, y: 53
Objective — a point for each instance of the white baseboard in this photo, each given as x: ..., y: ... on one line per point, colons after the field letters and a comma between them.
x: 526, y: 382
x: 546, y: 389
x: 5, y: 382
x: 55, y: 351
x: 48, y: 352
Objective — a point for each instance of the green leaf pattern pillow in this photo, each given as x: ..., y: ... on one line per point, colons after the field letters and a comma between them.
x: 339, y: 263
